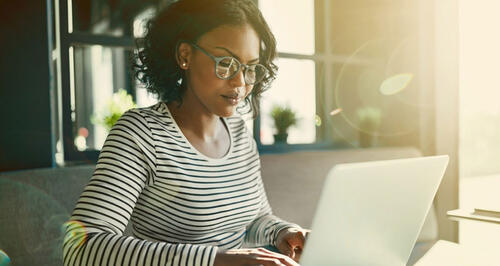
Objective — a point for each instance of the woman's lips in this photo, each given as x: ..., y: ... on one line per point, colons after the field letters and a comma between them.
x: 234, y: 97
x: 233, y: 100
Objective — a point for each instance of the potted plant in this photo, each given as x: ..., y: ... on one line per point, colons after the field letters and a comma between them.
x: 119, y: 103
x: 369, y: 124
x: 284, y: 118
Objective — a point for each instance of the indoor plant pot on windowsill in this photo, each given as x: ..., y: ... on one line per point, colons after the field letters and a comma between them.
x: 369, y: 124
x: 284, y: 118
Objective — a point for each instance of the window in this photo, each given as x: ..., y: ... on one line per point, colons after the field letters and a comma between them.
x: 341, y: 63
x: 96, y: 46
x: 349, y: 71
x: 295, y: 85
x: 94, y: 77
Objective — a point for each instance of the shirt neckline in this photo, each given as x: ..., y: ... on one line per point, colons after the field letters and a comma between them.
x: 177, y: 128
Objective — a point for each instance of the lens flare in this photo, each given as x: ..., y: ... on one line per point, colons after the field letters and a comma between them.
x: 77, y: 231
x: 378, y: 76
x: 4, y: 259
x: 395, y: 84
x: 335, y: 111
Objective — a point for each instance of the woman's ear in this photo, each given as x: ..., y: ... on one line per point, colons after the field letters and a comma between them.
x: 184, y: 51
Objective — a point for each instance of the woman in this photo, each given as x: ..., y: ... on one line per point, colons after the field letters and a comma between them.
x: 186, y: 171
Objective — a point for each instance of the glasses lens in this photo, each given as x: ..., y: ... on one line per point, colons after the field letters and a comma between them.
x: 255, y: 73
x: 227, y: 67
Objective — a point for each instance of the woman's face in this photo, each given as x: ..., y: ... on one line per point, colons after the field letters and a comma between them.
x: 205, y: 91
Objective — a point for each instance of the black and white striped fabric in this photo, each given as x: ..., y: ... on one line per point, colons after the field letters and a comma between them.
x: 183, y: 205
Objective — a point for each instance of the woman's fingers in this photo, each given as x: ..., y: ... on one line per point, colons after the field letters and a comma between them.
x: 285, y: 260
x: 266, y: 251
x: 271, y: 261
x: 262, y: 256
x: 296, y: 255
x: 293, y: 243
x: 284, y: 255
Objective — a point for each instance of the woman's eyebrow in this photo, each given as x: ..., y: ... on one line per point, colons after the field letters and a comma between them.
x: 235, y: 56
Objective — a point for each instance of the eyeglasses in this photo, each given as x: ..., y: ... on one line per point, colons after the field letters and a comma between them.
x: 226, y: 67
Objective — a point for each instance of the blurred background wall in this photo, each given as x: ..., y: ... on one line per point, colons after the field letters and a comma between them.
x: 26, y: 81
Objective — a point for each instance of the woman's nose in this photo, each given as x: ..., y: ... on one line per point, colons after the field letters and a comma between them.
x: 239, y: 79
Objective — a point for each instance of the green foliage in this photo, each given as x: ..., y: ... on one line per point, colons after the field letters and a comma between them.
x: 369, y: 119
x: 284, y: 117
x: 119, y: 103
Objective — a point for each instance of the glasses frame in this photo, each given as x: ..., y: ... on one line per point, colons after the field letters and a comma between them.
x: 218, y: 59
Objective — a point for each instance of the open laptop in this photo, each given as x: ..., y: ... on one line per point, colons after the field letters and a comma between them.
x: 371, y: 213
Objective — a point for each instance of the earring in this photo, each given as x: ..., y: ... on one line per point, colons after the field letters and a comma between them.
x: 184, y: 64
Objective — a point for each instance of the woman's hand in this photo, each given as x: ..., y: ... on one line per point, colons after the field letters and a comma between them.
x: 290, y: 241
x: 252, y: 256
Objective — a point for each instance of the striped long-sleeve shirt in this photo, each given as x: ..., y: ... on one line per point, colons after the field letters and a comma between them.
x: 183, y: 205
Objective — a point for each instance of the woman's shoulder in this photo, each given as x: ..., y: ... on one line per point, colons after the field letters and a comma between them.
x: 154, y: 119
x: 154, y: 114
x: 155, y: 110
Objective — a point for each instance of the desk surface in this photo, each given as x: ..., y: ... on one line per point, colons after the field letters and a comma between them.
x: 445, y: 253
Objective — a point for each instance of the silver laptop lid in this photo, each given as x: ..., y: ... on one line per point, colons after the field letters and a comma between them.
x: 371, y: 213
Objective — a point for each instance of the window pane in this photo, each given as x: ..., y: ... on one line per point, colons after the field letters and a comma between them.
x: 116, y: 18
x: 97, y: 73
x: 292, y: 23
x: 295, y: 87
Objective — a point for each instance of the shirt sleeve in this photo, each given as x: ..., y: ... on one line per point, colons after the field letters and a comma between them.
x: 94, y: 233
x: 265, y: 228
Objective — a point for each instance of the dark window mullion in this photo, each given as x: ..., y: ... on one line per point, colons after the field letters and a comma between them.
x: 100, y: 39
x: 70, y: 152
x: 321, y: 110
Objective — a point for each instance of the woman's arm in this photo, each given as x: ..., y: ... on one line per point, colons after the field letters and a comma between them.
x: 265, y: 228
x: 94, y: 234
x: 268, y: 229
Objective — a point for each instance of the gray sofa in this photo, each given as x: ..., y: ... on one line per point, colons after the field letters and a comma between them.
x: 35, y: 203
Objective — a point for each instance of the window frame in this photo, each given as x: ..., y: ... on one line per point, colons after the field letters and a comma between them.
x: 65, y: 40
x: 323, y: 61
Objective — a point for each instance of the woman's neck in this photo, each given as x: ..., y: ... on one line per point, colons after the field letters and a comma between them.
x: 196, y: 121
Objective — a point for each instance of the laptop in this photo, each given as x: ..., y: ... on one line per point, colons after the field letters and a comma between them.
x: 371, y: 213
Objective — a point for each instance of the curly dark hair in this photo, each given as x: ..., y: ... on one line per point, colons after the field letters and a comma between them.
x: 155, y: 61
